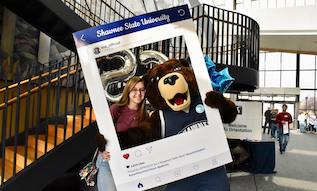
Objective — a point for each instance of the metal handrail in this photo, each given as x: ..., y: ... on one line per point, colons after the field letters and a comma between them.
x: 30, y: 102
x: 221, y: 29
x: 98, y: 17
x: 33, y: 78
x: 34, y: 90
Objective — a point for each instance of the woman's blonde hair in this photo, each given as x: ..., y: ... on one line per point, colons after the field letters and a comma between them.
x: 124, y: 101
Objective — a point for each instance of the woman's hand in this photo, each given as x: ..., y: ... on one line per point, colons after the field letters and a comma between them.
x: 105, y: 156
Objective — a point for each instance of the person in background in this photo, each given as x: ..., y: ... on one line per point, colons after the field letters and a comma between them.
x: 311, y: 121
x: 268, y: 116
x: 302, y: 120
x: 127, y: 113
x: 274, y: 126
x: 283, y: 119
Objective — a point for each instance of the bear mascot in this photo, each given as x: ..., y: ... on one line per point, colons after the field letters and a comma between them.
x: 172, y: 91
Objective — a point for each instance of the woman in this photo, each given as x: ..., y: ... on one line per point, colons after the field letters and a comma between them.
x: 126, y: 114
x: 130, y: 109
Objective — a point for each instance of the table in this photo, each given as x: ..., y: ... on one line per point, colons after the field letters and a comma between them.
x: 262, y: 156
x: 257, y: 157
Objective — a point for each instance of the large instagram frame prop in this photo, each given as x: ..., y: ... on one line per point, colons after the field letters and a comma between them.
x: 169, y: 159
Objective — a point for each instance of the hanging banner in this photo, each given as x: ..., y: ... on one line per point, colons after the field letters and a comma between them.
x: 247, y: 124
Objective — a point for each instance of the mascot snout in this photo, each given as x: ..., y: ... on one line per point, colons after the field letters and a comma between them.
x: 174, y: 89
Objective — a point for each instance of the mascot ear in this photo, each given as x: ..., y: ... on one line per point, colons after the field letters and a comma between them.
x: 184, y: 62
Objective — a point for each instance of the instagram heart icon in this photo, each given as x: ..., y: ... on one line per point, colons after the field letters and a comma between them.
x: 126, y: 156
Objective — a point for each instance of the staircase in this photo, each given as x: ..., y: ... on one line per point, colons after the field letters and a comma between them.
x: 40, y: 116
x: 38, y: 145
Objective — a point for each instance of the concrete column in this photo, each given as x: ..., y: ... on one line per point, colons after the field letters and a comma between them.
x: 194, y: 3
x: 44, y: 48
x: 296, y: 113
x: 7, y: 41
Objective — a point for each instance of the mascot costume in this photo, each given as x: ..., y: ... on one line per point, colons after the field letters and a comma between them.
x: 172, y: 90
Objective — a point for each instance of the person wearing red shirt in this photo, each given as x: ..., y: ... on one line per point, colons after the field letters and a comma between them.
x: 283, y: 119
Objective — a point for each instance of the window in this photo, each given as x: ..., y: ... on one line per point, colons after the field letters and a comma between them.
x: 255, y: 4
x: 307, y: 99
x: 278, y: 69
x: 288, y: 79
x: 290, y: 3
x: 256, y: 98
x: 310, y: 2
x: 261, y: 79
x: 290, y: 99
x: 307, y: 62
x: 263, y: 4
x: 280, y: 4
x: 307, y: 79
x: 262, y: 61
x: 300, y: 3
x: 288, y: 61
x: 267, y: 98
x: 273, y: 61
x: 273, y: 79
x: 272, y: 3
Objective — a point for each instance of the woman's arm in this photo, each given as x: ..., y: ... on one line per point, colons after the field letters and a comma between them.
x: 147, y: 131
x: 105, y: 155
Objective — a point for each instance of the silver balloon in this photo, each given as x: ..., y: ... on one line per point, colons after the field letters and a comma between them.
x: 152, y: 57
x: 115, y: 77
x: 124, y: 73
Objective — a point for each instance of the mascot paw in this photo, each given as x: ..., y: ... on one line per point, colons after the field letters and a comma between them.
x: 214, y: 99
x: 227, y: 108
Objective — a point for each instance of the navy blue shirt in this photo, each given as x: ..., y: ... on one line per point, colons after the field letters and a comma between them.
x: 180, y: 121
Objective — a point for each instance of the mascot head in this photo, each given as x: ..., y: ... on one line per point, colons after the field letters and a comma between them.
x: 171, y: 85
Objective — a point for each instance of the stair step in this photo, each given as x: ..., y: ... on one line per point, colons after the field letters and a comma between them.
x: 20, y: 153
x: 87, y: 114
x: 78, y: 118
x: 41, y: 142
x: 60, y: 131
x: 8, y: 169
x: 9, y: 154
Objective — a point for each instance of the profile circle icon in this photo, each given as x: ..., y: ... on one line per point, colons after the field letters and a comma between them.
x: 181, y: 12
x: 96, y: 50
x: 200, y: 108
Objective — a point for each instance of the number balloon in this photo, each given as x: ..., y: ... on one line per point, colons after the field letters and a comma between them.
x: 150, y: 57
x: 124, y: 73
x: 115, y: 77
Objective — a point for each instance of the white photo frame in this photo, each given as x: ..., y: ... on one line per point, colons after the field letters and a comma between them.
x: 169, y: 159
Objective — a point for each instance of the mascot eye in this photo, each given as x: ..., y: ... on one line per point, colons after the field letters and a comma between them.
x: 177, y: 69
x: 153, y: 79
